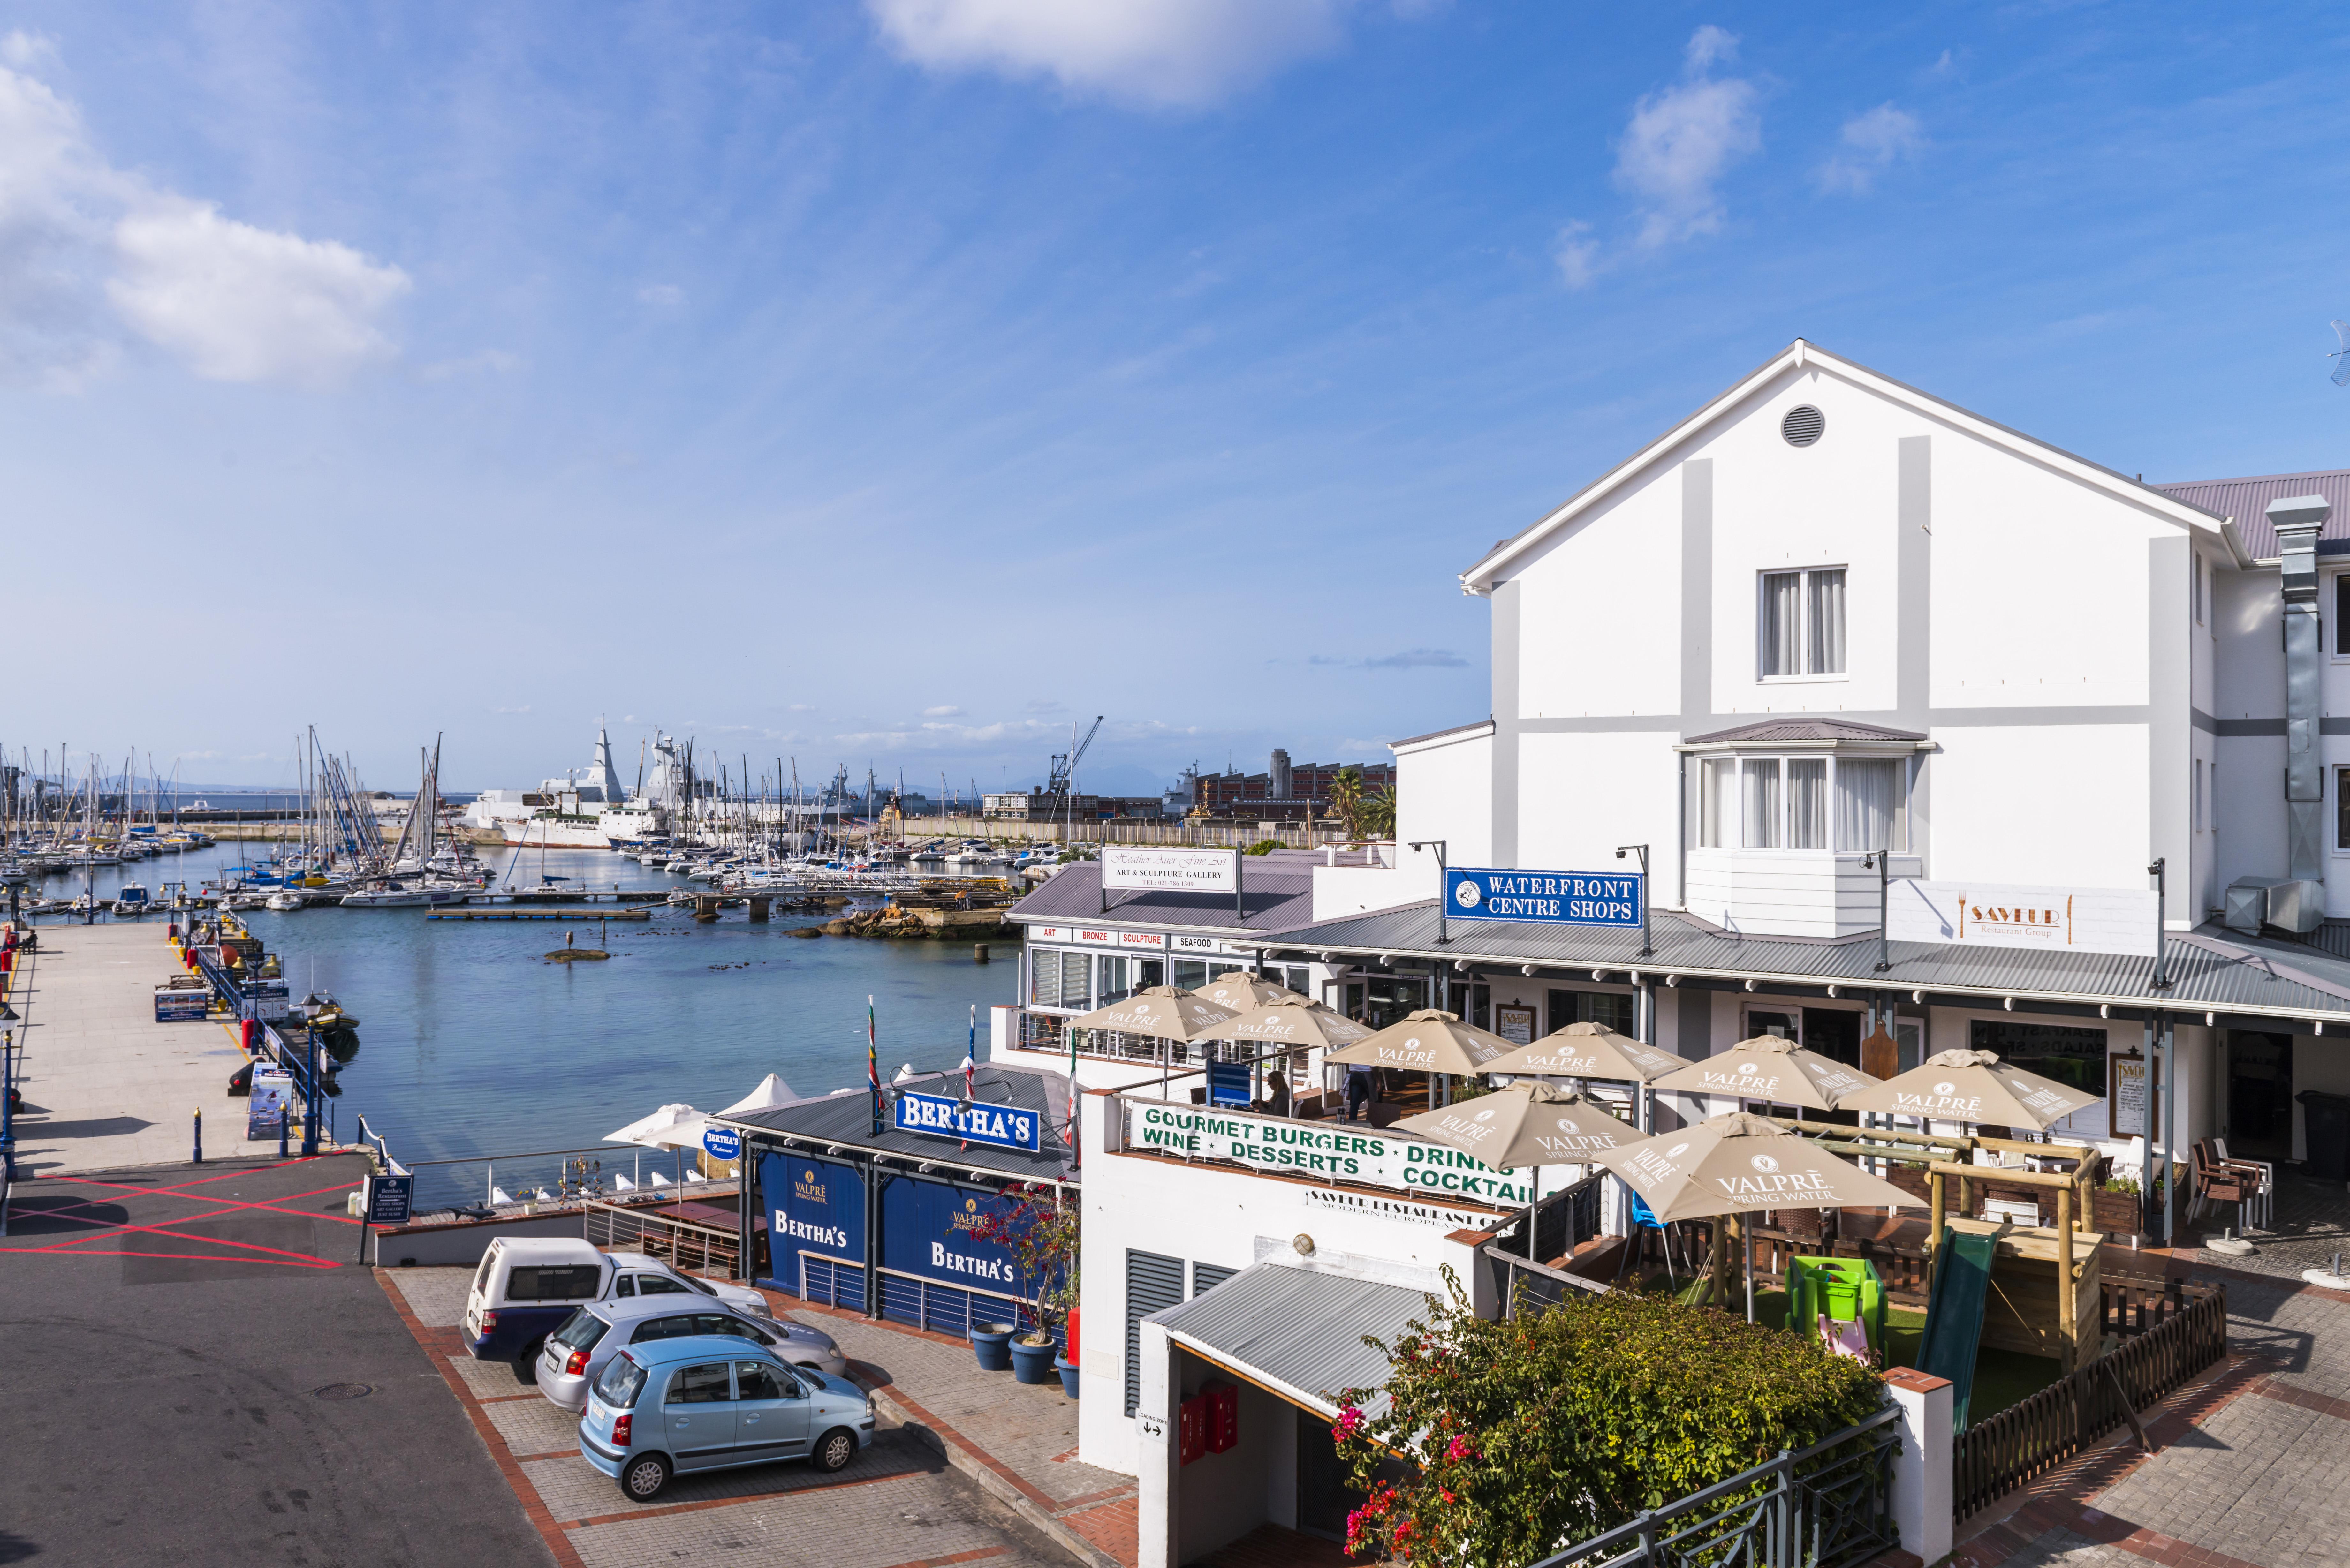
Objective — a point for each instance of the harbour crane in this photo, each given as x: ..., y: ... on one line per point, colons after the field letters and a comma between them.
x: 1064, y: 768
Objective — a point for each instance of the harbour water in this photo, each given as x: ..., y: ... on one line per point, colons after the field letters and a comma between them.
x: 471, y: 1044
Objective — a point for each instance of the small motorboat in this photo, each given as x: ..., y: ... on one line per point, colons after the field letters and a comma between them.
x: 282, y: 901
x: 131, y: 901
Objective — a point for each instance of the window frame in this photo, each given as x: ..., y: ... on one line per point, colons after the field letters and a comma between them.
x: 1803, y: 639
x: 1785, y: 809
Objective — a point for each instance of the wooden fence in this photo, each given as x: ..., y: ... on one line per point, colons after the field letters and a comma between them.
x: 2004, y: 1452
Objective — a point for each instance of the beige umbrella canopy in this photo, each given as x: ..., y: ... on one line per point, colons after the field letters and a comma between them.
x: 1160, y: 1012
x: 1589, y: 1051
x: 1428, y: 1041
x: 1740, y: 1163
x: 1292, y: 1025
x: 1773, y: 1070
x: 1240, y: 991
x: 1525, y: 1124
x: 1971, y: 1086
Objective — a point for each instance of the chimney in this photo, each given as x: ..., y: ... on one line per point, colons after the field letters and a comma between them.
x: 2297, y: 903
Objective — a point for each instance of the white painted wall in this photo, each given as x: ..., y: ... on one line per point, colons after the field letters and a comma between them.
x: 2058, y: 805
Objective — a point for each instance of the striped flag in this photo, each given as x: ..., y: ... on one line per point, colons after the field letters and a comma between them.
x: 873, y: 1066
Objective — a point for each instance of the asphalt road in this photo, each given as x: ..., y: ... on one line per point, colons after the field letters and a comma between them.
x: 197, y: 1372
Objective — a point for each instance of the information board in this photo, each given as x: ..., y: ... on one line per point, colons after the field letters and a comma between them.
x: 1228, y: 1085
x: 1544, y: 897
x: 273, y: 1098
x: 2127, y: 1094
x: 388, y: 1197
x: 1172, y: 870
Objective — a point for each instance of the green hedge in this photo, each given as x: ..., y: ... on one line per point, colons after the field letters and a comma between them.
x: 1552, y: 1427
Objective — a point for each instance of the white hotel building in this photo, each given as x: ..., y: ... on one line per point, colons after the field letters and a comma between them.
x: 1824, y: 615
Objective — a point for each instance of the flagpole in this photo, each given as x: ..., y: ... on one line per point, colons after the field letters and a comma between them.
x: 873, y: 1066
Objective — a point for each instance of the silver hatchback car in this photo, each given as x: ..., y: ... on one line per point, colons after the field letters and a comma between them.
x: 577, y: 1351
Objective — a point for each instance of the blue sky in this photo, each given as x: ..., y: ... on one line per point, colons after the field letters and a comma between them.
x: 891, y: 382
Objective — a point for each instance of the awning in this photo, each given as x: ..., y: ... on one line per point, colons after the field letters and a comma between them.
x: 1296, y: 1333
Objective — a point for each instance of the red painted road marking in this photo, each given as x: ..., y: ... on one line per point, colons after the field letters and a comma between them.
x: 217, y: 1207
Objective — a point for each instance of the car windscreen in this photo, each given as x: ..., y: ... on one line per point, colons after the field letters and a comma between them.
x: 697, y: 1285
x: 553, y: 1282
x: 581, y: 1331
x: 620, y: 1382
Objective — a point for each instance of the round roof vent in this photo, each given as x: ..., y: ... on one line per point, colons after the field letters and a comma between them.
x: 1803, y: 425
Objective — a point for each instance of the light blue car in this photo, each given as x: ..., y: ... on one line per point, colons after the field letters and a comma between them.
x: 712, y: 1402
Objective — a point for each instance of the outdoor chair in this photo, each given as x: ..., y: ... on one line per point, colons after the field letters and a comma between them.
x: 2258, y: 1208
x: 1645, y: 1218
x: 2216, y: 1182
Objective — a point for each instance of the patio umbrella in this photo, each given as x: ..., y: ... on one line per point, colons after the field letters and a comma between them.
x: 1158, y: 1012
x: 1589, y: 1051
x: 1971, y: 1086
x: 1291, y: 1023
x: 644, y: 1131
x: 1742, y: 1164
x: 1240, y: 990
x: 1773, y: 1070
x: 1428, y: 1041
x: 1525, y: 1124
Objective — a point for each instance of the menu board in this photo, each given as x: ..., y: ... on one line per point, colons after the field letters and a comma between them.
x: 1514, y: 1025
x: 2127, y: 1084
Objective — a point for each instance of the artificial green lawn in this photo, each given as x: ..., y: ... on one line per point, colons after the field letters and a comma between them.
x: 2003, y: 1377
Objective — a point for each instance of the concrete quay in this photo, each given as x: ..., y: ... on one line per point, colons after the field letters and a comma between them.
x: 105, y: 1086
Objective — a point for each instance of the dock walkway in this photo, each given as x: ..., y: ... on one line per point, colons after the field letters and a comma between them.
x: 105, y: 1086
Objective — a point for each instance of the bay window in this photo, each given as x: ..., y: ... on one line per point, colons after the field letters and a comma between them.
x: 1848, y: 804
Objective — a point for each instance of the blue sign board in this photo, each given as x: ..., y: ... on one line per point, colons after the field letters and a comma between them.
x: 722, y: 1143
x: 813, y: 1206
x: 1547, y: 897
x: 926, y: 1229
x: 388, y: 1199
x: 970, y: 1121
x: 1228, y: 1085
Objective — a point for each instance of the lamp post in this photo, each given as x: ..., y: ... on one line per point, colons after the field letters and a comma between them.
x: 1642, y: 851
x: 1443, y: 895
x: 2159, y: 871
x: 1882, y: 861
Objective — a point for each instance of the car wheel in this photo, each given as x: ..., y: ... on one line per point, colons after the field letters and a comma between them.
x: 833, y: 1449
x: 527, y: 1364
x: 643, y: 1477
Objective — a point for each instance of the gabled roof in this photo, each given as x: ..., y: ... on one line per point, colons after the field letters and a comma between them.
x: 2247, y: 502
x: 1479, y: 578
x: 1805, y: 728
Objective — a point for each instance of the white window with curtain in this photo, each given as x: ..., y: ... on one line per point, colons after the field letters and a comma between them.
x: 1800, y: 624
x: 1852, y: 805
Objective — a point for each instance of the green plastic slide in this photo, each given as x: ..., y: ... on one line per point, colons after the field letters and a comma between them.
x: 1846, y: 1289
x: 1954, y: 1315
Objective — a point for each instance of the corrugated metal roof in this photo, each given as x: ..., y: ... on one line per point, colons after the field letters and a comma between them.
x: 847, y: 1120
x: 2247, y: 500
x: 2209, y: 970
x: 1300, y: 1329
x: 1792, y: 727
x: 1275, y: 895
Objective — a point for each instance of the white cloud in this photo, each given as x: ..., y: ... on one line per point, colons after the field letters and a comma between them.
x: 661, y: 293
x: 524, y: 709
x: 489, y: 361
x: 1166, y: 53
x: 1682, y: 140
x: 234, y: 302
x: 948, y: 710
x: 1872, y: 142
x: 1577, y: 254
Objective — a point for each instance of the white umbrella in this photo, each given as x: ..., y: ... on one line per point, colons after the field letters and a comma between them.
x: 645, y: 1129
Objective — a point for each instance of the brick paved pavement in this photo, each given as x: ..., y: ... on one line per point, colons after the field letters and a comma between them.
x: 898, y: 1505
x: 1018, y: 1440
x: 2310, y: 1223
x: 2251, y: 1467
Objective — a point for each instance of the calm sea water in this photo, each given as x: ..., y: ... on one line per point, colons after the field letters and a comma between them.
x: 471, y: 1044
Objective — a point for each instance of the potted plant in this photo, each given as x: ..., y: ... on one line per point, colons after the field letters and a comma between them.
x: 1039, y: 1228
x: 992, y: 1342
